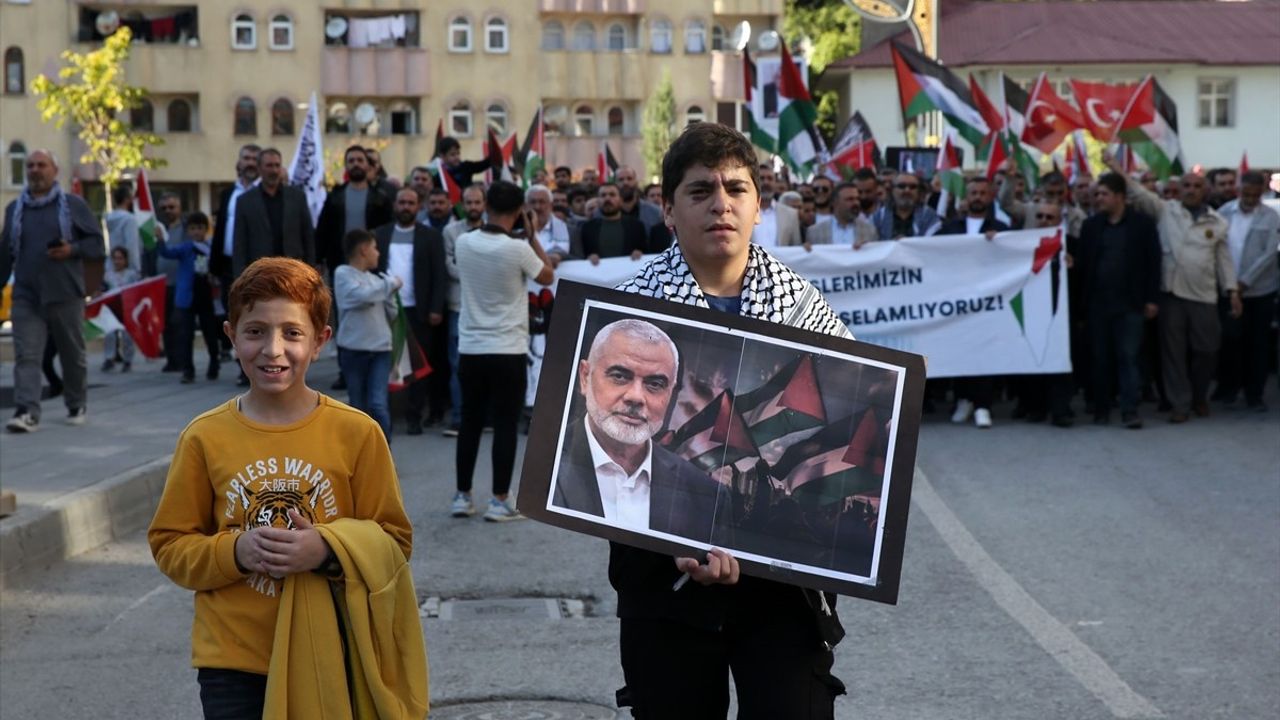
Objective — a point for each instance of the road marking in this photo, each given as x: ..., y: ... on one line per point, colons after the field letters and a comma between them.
x: 1051, y: 635
x: 157, y: 590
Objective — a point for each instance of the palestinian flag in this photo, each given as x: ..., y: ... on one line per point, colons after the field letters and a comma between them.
x: 606, y: 163
x: 855, y: 147
x: 715, y: 437
x: 990, y: 114
x: 138, y: 308
x: 499, y: 157
x: 439, y: 134
x: 448, y: 184
x: 789, y: 403
x: 997, y: 155
x: 751, y: 88
x: 533, y: 154
x: 1049, y: 118
x: 1101, y: 106
x: 144, y: 211
x: 797, y: 116
x: 1077, y: 157
x: 948, y: 167
x: 924, y: 86
x: 1036, y: 304
x: 408, y: 361
x: 1150, y: 126
x: 103, y: 322
x: 1015, y: 100
x: 844, y: 459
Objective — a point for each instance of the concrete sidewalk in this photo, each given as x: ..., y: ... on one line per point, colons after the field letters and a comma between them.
x: 80, y: 487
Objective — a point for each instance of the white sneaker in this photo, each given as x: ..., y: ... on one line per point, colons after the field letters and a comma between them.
x: 964, y: 408
x: 982, y: 418
x: 462, y: 506
x: 78, y: 417
x: 23, y: 423
x: 500, y: 511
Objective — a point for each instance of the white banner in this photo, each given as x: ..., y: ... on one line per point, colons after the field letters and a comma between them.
x: 972, y: 306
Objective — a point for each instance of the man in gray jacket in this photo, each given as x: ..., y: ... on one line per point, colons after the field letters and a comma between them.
x: 1253, y: 230
x: 46, y: 237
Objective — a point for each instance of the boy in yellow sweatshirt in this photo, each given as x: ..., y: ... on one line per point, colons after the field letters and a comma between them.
x: 251, y: 478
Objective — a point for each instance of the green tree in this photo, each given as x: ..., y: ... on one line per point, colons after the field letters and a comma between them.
x: 829, y: 29
x: 659, y: 127
x: 91, y: 92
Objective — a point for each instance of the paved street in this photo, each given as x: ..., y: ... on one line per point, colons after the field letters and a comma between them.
x: 1086, y: 573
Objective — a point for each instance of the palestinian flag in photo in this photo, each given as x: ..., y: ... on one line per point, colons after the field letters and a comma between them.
x: 797, y: 116
x: 1036, y: 305
x: 606, y: 164
x: 144, y: 211
x: 924, y: 86
x: 844, y: 459
x: 533, y: 154
x: 1150, y: 127
x: 715, y: 437
x: 408, y: 361
x: 789, y: 403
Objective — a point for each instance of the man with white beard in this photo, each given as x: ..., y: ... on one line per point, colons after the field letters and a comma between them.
x: 610, y: 467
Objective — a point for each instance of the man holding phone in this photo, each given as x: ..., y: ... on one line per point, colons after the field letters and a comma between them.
x: 47, y: 236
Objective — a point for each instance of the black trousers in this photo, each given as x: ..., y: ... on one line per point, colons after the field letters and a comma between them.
x: 416, y: 393
x: 978, y: 390
x: 492, y: 388
x: 436, y: 345
x: 1244, y: 357
x: 678, y: 672
x: 200, y: 314
x: 1050, y: 395
x: 231, y: 694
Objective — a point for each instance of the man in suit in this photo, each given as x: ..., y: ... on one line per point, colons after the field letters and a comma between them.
x: 779, y: 225
x: 845, y: 227
x: 271, y: 219
x: 353, y: 205
x: 612, y: 233
x: 415, y: 253
x: 611, y: 467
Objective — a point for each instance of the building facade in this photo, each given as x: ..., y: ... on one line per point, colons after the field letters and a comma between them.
x: 222, y: 73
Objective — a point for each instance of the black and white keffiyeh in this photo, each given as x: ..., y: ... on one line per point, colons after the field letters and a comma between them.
x: 770, y: 291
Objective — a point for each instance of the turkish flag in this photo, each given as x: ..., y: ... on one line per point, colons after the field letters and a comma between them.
x: 1101, y: 106
x: 1049, y: 118
x: 140, y: 306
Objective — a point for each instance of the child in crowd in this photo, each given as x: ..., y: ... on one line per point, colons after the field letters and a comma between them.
x: 366, y: 305
x: 117, y: 345
x: 278, y: 503
x: 192, y: 296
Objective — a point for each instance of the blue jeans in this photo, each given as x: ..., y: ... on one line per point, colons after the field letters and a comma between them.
x: 455, y: 387
x: 367, y: 373
x: 1117, y: 337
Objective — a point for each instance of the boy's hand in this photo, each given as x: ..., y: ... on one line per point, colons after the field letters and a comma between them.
x: 721, y: 568
x: 279, y: 551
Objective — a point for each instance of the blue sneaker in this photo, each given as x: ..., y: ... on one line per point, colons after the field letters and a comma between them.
x: 462, y: 506
x: 500, y: 511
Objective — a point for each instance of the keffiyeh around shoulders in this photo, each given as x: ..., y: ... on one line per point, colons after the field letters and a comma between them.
x: 771, y: 291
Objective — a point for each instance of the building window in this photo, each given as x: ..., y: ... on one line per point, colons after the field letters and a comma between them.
x: 14, y: 72
x: 552, y: 35
x: 554, y: 120
x: 178, y: 116
x: 246, y: 117
x: 338, y: 118
x: 694, y: 115
x: 143, y: 116
x: 717, y: 37
x: 660, y: 37
x: 584, y: 121
x: 281, y: 32
x: 695, y: 37
x: 496, y: 116
x: 617, y: 121
x: 459, y: 35
x: 17, y: 174
x: 404, y: 119
x: 282, y: 117
x: 495, y: 36
x: 584, y: 37
x: 1215, y: 100
x: 460, y: 119
x: 244, y: 33
x: 616, y: 37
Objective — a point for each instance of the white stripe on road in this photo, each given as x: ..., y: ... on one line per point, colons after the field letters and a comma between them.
x: 137, y: 604
x: 1052, y: 636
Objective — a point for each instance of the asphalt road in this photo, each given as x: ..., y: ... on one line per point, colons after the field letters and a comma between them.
x: 1085, y: 573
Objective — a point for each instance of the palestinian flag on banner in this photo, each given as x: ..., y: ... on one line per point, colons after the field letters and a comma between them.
x: 1036, y: 304
x: 408, y: 361
x: 844, y: 459
x: 139, y: 307
x: 1101, y: 106
x: 855, y: 147
x: 991, y: 115
x: 789, y: 403
x: 144, y: 211
x: 533, y: 154
x: 1150, y: 126
x: 751, y: 88
x: 606, y: 163
x: 1049, y: 118
x: 103, y: 322
x: 715, y: 437
x: 924, y: 86
x: 797, y: 116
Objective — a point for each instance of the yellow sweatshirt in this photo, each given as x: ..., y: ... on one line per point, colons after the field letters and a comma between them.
x: 230, y: 474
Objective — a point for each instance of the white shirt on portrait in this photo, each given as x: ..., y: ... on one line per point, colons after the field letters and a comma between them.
x: 624, y: 498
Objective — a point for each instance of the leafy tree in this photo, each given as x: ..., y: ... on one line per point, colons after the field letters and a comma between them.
x: 91, y: 92
x: 659, y: 127
x: 830, y: 32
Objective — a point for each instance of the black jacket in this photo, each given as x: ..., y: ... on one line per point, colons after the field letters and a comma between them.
x: 634, y: 236
x: 957, y: 226
x: 332, y: 224
x: 430, y: 283
x: 253, y: 236
x: 1141, y: 256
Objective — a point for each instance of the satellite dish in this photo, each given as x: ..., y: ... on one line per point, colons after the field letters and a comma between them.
x: 768, y: 40
x: 741, y: 36
x: 365, y: 114
x: 107, y: 23
x: 335, y: 28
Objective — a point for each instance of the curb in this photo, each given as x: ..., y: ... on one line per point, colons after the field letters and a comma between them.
x: 81, y: 520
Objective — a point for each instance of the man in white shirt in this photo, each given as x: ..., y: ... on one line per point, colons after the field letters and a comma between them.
x: 552, y: 232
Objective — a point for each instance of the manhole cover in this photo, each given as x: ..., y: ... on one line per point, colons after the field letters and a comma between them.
x: 524, y: 710
x: 527, y: 609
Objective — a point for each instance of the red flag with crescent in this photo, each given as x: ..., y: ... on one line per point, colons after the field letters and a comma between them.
x: 1101, y: 106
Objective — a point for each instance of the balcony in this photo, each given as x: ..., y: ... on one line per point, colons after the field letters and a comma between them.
x: 603, y: 7
x: 726, y: 76
x: 152, y: 25
x: 375, y: 72
x: 747, y: 7
x: 582, y: 76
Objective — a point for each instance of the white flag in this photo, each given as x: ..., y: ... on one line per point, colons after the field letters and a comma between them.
x: 307, y: 169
